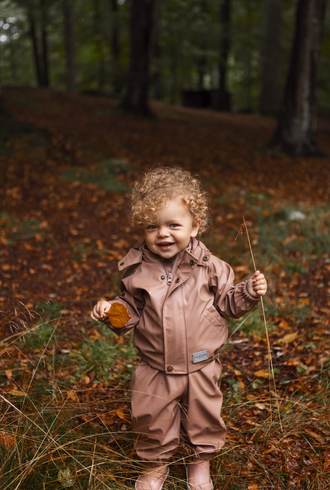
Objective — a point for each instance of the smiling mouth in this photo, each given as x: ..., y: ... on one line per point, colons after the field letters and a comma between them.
x: 165, y: 246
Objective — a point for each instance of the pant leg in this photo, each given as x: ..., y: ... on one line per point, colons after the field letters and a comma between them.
x: 156, y: 414
x: 202, y: 424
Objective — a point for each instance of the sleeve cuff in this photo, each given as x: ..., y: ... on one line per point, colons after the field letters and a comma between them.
x: 246, y: 295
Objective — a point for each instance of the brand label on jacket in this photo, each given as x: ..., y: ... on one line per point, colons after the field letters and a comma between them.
x: 200, y: 356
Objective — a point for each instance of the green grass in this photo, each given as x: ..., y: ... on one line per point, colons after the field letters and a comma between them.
x: 281, y: 237
x: 53, y: 445
x: 56, y: 404
x: 17, y: 229
x: 98, y: 358
x: 106, y: 175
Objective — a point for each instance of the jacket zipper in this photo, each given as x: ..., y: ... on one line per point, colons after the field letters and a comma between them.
x: 169, y: 275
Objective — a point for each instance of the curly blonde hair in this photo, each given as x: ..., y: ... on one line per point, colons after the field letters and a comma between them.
x: 162, y: 184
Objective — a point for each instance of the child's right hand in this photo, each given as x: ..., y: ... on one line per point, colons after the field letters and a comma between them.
x: 99, y: 310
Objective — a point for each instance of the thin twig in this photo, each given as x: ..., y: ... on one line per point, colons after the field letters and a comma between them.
x: 269, y: 357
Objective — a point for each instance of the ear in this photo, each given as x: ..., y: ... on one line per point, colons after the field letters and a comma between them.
x: 195, y: 228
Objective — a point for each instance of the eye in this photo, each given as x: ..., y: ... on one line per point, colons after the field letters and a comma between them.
x: 151, y: 227
x: 174, y: 225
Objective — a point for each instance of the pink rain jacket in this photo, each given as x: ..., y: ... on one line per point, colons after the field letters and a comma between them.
x: 179, y: 327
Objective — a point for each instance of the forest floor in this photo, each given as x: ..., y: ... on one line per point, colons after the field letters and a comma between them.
x: 64, y: 380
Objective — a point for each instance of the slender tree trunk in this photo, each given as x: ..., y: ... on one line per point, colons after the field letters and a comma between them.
x: 142, y: 16
x: 174, y: 74
x: 224, y: 96
x: 156, y: 79
x: 115, y: 48
x: 44, y: 44
x: 247, y: 59
x: 4, y: 111
x: 101, y: 76
x: 69, y: 45
x: 13, y: 61
x: 201, y: 60
x: 270, y: 82
x: 155, y: 53
x: 296, y: 131
x: 36, y: 55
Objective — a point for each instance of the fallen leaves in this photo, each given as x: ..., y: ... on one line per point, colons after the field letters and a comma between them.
x: 290, y: 337
x: 15, y: 392
x: 253, y: 486
x: 262, y: 374
x: 261, y: 406
x: 83, y: 230
x: 6, y: 440
x: 118, y: 315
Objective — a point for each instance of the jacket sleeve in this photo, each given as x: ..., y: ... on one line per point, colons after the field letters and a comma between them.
x: 133, y: 303
x: 232, y: 300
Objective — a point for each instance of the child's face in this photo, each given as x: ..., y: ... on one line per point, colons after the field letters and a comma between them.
x: 170, y: 231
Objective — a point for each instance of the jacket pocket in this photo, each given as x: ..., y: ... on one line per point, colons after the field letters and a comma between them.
x: 214, y: 317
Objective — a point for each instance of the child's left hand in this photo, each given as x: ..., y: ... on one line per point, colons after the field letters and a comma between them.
x: 257, y: 285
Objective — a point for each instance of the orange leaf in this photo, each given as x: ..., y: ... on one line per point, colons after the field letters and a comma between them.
x: 261, y: 406
x: 6, y: 439
x: 253, y: 486
x: 118, y: 315
x: 262, y: 374
x: 293, y: 362
x: 268, y: 451
x: 290, y: 337
x: 72, y: 395
x: 314, y: 435
x: 283, y: 324
x: 17, y: 392
x: 120, y: 414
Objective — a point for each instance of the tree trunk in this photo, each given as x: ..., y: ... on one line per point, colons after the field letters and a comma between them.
x: 224, y: 96
x: 296, y: 130
x: 69, y: 45
x: 36, y: 55
x: 44, y: 44
x: 142, y: 16
x: 115, y: 48
x: 101, y: 76
x: 270, y: 82
x: 201, y: 60
x: 4, y: 112
x: 155, y: 53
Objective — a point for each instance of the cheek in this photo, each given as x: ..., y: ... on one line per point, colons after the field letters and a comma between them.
x: 149, y: 237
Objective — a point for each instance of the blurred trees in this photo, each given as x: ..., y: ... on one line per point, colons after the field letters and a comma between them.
x: 296, y: 131
x: 142, y: 24
x: 224, y: 96
x: 37, y: 14
x: 237, y: 50
x: 271, y: 62
x: 69, y: 45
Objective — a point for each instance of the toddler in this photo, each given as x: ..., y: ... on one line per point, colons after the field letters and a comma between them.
x: 176, y: 292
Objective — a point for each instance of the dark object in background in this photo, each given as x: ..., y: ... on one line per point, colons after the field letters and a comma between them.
x: 205, y: 99
x: 296, y: 130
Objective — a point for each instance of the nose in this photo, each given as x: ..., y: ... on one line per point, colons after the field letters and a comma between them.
x: 162, y: 231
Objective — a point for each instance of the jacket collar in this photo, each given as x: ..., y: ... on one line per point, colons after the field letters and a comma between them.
x: 134, y: 256
x: 196, y: 251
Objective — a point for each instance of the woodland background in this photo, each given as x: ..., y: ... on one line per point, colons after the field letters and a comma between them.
x: 94, y: 92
